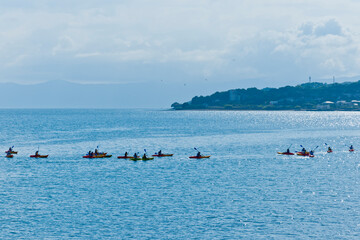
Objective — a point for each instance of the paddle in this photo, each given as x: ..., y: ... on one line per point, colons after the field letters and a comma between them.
x: 289, y: 146
x: 315, y: 148
x: 348, y: 146
x: 196, y: 149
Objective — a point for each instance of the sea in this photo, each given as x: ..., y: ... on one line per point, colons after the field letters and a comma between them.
x: 245, y: 190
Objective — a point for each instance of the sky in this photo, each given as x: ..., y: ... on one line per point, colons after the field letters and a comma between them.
x: 238, y: 43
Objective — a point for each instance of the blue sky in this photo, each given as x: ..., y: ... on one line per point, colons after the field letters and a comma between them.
x: 249, y: 42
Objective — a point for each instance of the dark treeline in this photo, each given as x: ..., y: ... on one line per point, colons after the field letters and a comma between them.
x: 308, y: 96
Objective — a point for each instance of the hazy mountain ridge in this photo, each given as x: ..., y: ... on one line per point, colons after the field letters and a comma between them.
x: 63, y: 94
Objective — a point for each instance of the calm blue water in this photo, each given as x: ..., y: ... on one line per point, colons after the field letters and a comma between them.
x: 243, y: 191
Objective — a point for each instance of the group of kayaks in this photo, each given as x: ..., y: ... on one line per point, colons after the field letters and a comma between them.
x: 136, y: 156
x: 305, y: 153
x: 96, y: 154
x: 10, y: 154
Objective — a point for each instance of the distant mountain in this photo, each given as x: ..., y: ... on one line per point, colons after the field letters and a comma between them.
x: 308, y: 96
x: 63, y: 94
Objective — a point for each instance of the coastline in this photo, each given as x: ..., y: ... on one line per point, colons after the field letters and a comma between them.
x: 268, y: 110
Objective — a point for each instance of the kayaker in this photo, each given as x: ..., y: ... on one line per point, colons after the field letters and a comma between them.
x: 198, y: 154
x: 10, y: 149
x: 96, y: 151
x: 288, y: 150
x: 303, y: 151
x: 37, y: 153
x: 89, y: 153
x: 135, y: 155
x: 126, y: 153
x: 311, y: 152
x: 329, y: 149
x: 159, y: 153
x: 351, y: 147
x: 144, y: 156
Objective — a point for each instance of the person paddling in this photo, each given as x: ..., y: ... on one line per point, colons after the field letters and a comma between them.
x: 135, y: 155
x: 311, y: 152
x: 351, y: 147
x: 160, y: 153
x: 126, y: 153
x: 303, y: 151
x: 198, y: 154
x: 144, y: 156
x: 37, y: 153
x: 329, y: 149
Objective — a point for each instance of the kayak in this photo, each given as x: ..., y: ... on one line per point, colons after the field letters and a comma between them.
x: 351, y: 150
x: 95, y: 156
x: 199, y: 157
x: 99, y: 155
x: 285, y: 153
x: 135, y: 159
x: 148, y: 158
x: 163, y: 155
x: 125, y: 157
x: 307, y: 154
x: 39, y: 156
x: 329, y: 151
x: 302, y: 154
x: 9, y: 156
x: 12, y: 152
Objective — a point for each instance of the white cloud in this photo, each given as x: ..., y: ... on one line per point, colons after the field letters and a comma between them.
x: 237, y: 39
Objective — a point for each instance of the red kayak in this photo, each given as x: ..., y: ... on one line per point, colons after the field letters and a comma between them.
x: 286, y: 153
x: 329, y: 151
x: 125, y: 157
x: 163, y: 155
x: 9, y: 156
x: 199, y: 157
x: 39, y: 156
x: 351, y: 150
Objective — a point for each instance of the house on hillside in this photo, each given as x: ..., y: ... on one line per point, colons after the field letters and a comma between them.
x: 328, y: 105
